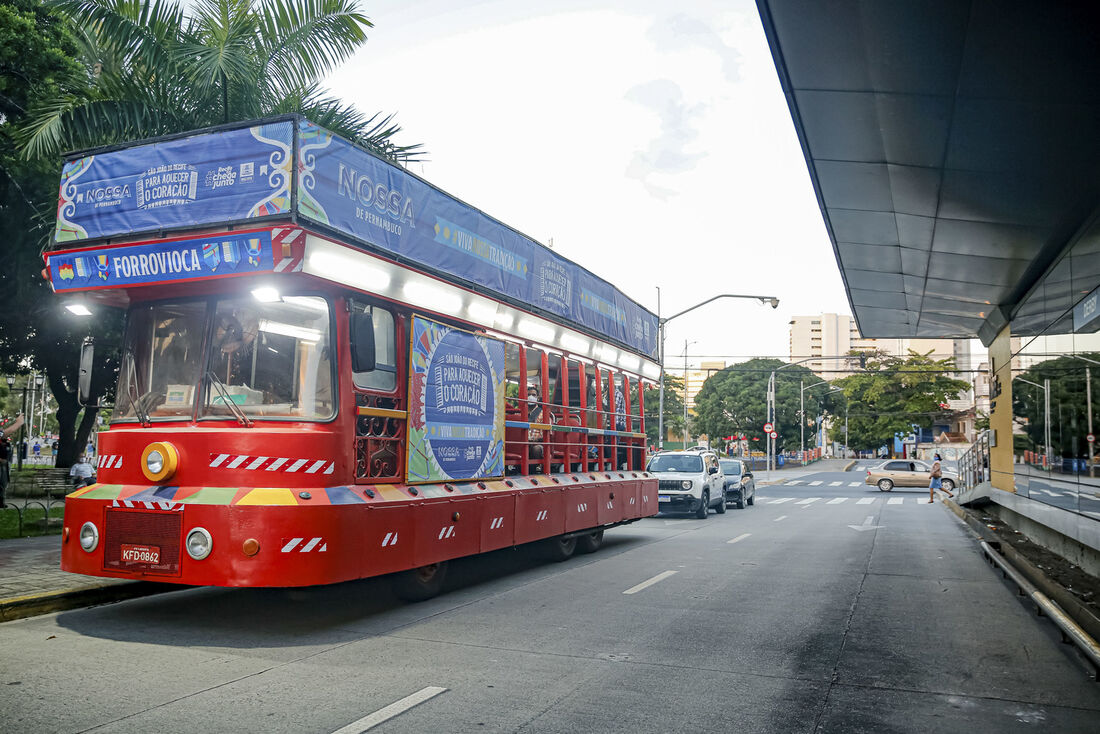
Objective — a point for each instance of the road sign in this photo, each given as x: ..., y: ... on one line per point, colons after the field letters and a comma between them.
x: 1091, y: 438
x: 768, y: 428
x: 773, y: 434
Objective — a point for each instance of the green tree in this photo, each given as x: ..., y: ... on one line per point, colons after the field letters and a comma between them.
x: 894, y: 394
x: 153, y: 67
x: 735, y: 401
x: 1068, y: 410
x: 674, y: 408
x: 37, y: 61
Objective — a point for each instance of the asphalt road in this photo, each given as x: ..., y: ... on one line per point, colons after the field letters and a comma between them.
x: 794, y: 615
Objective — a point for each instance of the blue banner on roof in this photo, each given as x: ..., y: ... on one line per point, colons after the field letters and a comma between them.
x: 216, y: 177
x: 360, y: 195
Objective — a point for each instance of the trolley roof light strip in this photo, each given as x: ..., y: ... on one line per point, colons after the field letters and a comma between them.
x: 362, y: 271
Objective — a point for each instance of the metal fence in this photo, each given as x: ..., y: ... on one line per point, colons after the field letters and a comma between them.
x: 974, y: 464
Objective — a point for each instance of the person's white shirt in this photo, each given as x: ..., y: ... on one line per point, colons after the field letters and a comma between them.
x: 81, y: 469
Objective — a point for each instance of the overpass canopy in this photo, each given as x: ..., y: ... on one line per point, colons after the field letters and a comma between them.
x: 955, y: 151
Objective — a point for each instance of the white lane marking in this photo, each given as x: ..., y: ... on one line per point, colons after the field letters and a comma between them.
x: 794, y: 481
x: 837, y: 500
x: 855, y: 484
x: 922, y: 501
x: 646, y: 584
x: 865, y: 501
x: 835, y: 484
x: 895, y: 500
x: 780, y: 501
x: 781, y: 517
x: 1052, y: 494
x: 866, y: 525
x: 818, y: 482
x: 394, y: 709
x: 808, y: 501
x: 739, y: 537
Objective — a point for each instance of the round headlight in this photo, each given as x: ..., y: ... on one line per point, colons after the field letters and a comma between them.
x: 159, y: 461
x: 89, y: 536
x: 199, y: 543
x: 686, y: 484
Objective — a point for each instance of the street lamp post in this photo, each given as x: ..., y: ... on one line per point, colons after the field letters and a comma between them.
x: 686, y: 345
x: 802, y: 412
x: 661, y: 321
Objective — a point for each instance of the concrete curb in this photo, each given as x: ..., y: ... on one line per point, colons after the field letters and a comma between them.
x: 1079, y: 613
x: 32, y: 605
x: 850, y: 464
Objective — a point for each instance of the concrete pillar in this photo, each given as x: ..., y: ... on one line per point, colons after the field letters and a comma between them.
x: 1001, y: 461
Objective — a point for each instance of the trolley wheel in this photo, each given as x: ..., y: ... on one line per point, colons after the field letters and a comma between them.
x: 591, y: 542
x: 559, y: 548
x: 422, y: 583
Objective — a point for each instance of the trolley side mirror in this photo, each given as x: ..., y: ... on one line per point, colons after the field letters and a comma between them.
x: 84, y: 373
x: 362, y: 342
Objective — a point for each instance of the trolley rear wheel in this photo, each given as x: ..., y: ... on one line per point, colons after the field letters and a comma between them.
x: 590, y: 543
x: 422, y: 583
x: 559, y: 548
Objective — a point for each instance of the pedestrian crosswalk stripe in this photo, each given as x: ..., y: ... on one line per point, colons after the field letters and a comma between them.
x: 836, y: 500
x: 781, y: 500
x: 855, y: 484
x: 807, y: 501
x: 835, y: 484
x: 814, y: 484
x: 795, y: 481
x: 895, y: 500
x: 865, y: 501
x: 924, y: 502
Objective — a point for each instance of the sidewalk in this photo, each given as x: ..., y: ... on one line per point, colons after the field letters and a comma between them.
x: 32, y: 582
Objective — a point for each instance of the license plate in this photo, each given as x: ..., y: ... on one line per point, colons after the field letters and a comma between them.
x: 663, y: 498
x: 140, y: 554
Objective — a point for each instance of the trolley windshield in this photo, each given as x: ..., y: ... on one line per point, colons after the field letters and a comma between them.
x: 233, y: 357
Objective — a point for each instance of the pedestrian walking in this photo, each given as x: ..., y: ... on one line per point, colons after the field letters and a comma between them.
x: 936, y: 481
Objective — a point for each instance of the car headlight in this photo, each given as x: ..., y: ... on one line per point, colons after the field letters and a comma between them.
x: 159, y: 461
x: 686, y: 484
x: 199, y: 543
x: 89, y: 536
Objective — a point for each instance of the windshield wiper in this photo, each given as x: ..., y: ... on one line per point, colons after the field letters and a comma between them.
x: 228, y: 400
x: 132, y: 389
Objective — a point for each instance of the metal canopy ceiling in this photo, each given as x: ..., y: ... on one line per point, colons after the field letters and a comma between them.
x: 954, y: 148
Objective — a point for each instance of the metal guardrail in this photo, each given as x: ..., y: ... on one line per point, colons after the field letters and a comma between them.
x: 1071, y: 631
x: 974, y: 464
x: 47, y: 503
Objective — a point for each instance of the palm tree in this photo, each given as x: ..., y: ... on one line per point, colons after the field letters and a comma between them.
x: 154, y: 68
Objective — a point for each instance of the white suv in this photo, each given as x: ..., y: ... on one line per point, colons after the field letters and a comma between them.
x: 689, y: 481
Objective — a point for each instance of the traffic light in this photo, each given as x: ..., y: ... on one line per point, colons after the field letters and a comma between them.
x: 862, y: 361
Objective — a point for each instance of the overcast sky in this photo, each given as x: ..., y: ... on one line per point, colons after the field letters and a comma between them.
x: 649, y: 140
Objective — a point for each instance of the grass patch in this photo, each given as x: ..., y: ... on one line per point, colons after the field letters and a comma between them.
x: 32, y: 522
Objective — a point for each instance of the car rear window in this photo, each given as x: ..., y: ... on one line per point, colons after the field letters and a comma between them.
x: 731, y: 467
x: 676, y: 462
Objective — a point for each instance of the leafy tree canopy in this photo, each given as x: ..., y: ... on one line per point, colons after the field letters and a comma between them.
x: 734, y: 401
x: 894, y: 394
x: 154, y: 67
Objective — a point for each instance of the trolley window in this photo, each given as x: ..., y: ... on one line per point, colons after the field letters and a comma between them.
x: 161, y: 361
x: 271, y: 359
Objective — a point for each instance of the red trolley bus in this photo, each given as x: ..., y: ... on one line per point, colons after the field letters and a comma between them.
x: 333, y: 370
